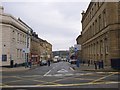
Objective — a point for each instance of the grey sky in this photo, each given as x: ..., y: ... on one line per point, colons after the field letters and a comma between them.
x: 57, y: 22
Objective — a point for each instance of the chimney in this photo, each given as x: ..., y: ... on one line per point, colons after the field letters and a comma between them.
x: 1, y: 10
x: 83, y: 13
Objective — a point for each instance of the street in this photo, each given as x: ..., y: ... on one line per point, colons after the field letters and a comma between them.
x: 59, y: 75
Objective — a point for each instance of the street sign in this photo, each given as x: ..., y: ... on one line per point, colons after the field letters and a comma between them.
x: 77, y: 47
x: 26, y: 50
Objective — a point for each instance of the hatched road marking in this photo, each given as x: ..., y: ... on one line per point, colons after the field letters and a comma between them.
x: 54, y: 84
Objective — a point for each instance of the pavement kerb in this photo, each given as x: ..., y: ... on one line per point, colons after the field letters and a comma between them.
x: 14, y: 69
x: 22, y: 68
x: 92, y: 69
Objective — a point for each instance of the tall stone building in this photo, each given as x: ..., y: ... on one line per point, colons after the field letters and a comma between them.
x: 101, y: 32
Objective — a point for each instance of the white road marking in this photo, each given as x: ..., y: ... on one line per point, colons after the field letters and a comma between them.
x: 57, y: 75
x: 47, y: 73
x: 72, y: 69
x: 62, y: 70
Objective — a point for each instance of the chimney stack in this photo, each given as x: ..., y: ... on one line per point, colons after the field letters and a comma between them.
x: 83, y: 13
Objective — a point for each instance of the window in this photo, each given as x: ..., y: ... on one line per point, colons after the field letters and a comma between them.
x: 101, y: 47
x: 97, y: 48
x: 106, y: 45
x: 17, y: 52
x: 4, y: 57
x: 90, y: 15
x: 92, y: 12
x: 18, y: 37
x: 20, y: 53
x: 90, y: 31
x: 99, y: 22
x: 95, y: 26
x: 95, y: 7
x: 93, y: 29
x: 104, y: 18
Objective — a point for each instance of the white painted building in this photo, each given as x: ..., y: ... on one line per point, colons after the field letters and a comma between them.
x: 14, y: 39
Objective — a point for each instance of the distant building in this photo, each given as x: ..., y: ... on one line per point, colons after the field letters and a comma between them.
x: 79, y: 42
x: 62, y: 54
x: 47, y: 52
x: 101, y: 32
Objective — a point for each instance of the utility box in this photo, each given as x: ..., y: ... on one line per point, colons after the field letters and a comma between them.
x: 115, y: 63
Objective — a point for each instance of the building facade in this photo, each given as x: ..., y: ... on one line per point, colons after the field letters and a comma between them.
x: 40, y: 49
x: 101, y: 32
x: 18, y: 43
x: 47, y: 50
x: 14, y: 40
x: 34, y: 49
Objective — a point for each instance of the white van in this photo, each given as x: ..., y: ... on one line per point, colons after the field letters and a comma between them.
x: 55, y: 59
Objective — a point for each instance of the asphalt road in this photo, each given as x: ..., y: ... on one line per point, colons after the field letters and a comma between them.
x: 58, y: 75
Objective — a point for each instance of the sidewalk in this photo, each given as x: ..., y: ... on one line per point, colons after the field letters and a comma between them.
x: 8, y: 69
x: 20, y: 68
x: 91, y: 68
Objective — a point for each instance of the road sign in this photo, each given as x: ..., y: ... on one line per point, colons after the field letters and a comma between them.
x: 77, y: 47
x: 26, y: 50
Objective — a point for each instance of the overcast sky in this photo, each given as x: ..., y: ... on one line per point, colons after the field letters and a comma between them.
x: 57, y: 22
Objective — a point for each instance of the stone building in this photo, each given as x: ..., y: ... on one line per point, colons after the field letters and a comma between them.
x: 14, y: 40
x: 47, y: 50
x: 34, y: 49
x: 101, y: 32
x: 40, y: 49
x: 18, y: 42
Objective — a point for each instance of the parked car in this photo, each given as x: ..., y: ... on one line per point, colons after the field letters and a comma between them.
x: 72, y: 61
x: 43, y: 62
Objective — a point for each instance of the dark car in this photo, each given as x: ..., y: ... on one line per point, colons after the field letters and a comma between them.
x: 43, y: 62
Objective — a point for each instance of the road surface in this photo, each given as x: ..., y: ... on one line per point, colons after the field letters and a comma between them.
x: 58, y: 75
